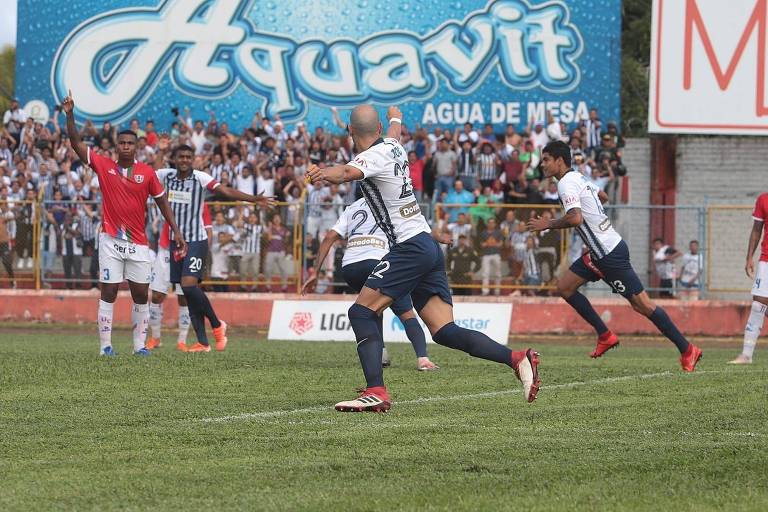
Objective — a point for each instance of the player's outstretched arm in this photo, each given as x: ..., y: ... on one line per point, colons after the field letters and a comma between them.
x: 165, y: 209
x: 331, y: 237
x: 571, y: 219
x: 337, y: 174
x: 395, y: 118
x: 68, y: 106
x: 754, y: 241
x: 259, y: 200
x: 602, y: 196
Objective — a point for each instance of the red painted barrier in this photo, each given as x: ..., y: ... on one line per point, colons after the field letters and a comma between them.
x: 530, y: 315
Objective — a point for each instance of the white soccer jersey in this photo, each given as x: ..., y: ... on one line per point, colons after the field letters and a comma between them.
x: 365, y: 240
x: 388, y: 191
x: 576, y: 191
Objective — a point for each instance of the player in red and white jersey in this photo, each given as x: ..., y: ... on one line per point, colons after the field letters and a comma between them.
x: 161, y: 284
x: 123, y: 252
x: 760, y: 286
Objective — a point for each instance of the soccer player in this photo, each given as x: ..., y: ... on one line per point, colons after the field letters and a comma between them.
x: 760, y: 286
x: 123, y: 252
x: 161, y: 282
x: 187, y: 189
x: 366, y: 245
x: 414, y: 265
x: 607, y: 258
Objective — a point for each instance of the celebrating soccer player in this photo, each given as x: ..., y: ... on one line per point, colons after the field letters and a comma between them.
x: 187, y: 189
x: 414, y: 264
x: 607, y: 257
x: 760, y: 286
x: 123, y: 252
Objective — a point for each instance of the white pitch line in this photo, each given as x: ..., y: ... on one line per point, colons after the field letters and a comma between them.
x: 489, y: 394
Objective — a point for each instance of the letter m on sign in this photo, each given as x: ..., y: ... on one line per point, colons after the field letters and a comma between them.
x: 756, y: 23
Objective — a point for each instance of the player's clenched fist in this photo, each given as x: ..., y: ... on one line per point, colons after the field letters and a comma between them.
x: 314, y: 174
x: 394, y: 112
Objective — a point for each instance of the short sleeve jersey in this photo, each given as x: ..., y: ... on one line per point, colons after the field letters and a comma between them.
x: 388, y: 190
x: 761, y: 214
x: 187, y: 199
x: 365, y: 240
x: 125, y: 193
x: 576, y: 191
x: 164, y: 242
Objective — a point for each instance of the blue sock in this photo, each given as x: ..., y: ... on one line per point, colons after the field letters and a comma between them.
x: 473, y: 343
x: 582, y: 306
x: 195, y: 295
x: 369, y: 343
x: 663, y: 323
x: 416, y: 335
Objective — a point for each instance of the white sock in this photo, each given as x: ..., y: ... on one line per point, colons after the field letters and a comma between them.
x: 184, y: 323
x: 140, y: 320
x: 752, y: 330
x: 155, y: 319
x: 105, y: 323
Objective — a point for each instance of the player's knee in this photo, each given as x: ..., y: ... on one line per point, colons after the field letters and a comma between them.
x: 564, y: 291
x: 643, y: 308
x: 108, y: 292
x: 358, y: 312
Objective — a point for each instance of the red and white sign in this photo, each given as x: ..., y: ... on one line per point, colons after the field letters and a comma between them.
x: 708, y: 67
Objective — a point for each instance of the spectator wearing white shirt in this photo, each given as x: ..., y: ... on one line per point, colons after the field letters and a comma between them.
x: 244, y: 181
x: 664, y: 258
x: 14, y: 119
x: 459, y: 228
x: 690, y: 275
x: 469, y: 134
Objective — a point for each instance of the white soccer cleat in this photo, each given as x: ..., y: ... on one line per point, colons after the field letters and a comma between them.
x: 527, y: 370
x: 423, y: 364
x: 741, y: 359
x: 366, y: 402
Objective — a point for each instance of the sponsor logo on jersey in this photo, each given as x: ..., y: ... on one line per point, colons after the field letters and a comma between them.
x: 410, y: 210
x: 362, y: 241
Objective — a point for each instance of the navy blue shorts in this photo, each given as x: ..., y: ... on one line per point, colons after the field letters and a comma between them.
x: 614, y: 268
x: 193, y: 263
x: 355, y: 275
x: 415, y: 267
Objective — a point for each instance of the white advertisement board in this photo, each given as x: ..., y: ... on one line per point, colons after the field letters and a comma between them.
x: 708, y: 67
x: 327, y: 321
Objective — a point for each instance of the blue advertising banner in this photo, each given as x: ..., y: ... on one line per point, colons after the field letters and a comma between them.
x: 444, y: 62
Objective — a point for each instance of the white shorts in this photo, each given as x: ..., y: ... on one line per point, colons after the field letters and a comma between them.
x: 161, y: 274
x: 760, y: 288
x: 120, y: 260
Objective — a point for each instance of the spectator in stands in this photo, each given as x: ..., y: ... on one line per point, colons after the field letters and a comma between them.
x: 490, y: 244
x: 71, y: 250
x: 488, y: 165
x: 250, y: 264
x: 14, y: 119
x: 462, y: 262
x: 278, y: 252
x: 459, y: 228
x: 416, y: 166
x: 664, y: 257
x: 446, y: 163
x: 467, y: 170
x: 223, y: 235
x: 690, y: 275
x: 458, y: 196
x: 530, y: 270
x: 592, y: 130
x: 6, y: 217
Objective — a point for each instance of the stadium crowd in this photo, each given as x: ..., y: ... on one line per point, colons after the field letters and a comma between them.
x: 474, y: 182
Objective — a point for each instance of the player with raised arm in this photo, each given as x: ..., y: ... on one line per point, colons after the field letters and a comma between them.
x: 414, y: 264
x: 187, y: 190
x: 366, y: 245
x: 760, y: 286
x: 161, y: 283
x: 123, y: 252
x: 607, y: 257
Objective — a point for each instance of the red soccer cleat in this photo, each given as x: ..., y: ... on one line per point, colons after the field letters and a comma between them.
x: 605, y: 342
x: 153, y: 343
x: 690, y: 357
x: 370, y: 400
x: 526, y: 366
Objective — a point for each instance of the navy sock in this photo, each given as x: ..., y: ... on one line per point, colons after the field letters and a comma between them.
x: 196, y: 295
x: 198, y: 322
x: 582, y: 306
x: 663, y: 323
x: 365, y: 323
x: 473, y: 343
x: 416, y: 335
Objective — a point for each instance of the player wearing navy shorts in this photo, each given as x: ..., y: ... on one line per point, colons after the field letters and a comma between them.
x: 607, y: 257
x: 187, y: 189
x: 414, y: 265
x: 366, y: 246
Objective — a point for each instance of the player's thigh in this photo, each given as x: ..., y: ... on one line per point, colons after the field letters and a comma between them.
x: 138, y: 264
x: 373, y: 299
x: 436, y: 313
x: 621, y: 277
x: 355, y: 274
x: 111, y: 260
x: 161, y: 272
x: 193, y: 263
x: 404, y: 267
x: 760, y: 286
x: 581, y: 271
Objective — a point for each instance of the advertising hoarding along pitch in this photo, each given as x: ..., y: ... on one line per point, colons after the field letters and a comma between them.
x: 497, y: 61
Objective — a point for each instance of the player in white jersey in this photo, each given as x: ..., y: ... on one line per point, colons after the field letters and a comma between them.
x: 366, y: 245
x: 607, y: 256
x: 414, y: 265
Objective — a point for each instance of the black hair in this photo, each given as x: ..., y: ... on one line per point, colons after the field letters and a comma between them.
x: 558, y: 149
x: 128, y: 132
x: 658, y: 240
x: 183, y: 147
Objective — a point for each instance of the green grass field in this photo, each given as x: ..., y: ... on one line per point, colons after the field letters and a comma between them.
x: 627, y: 432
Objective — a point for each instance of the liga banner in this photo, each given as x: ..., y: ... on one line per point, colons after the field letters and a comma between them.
x: 445, y: 63
x: 326, y: 320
